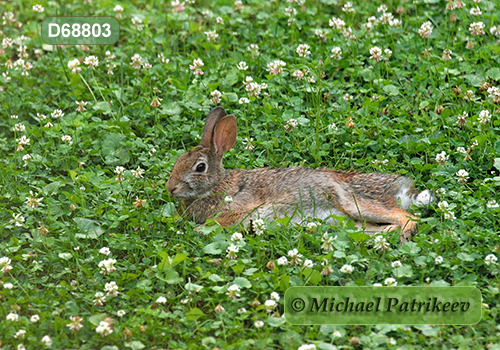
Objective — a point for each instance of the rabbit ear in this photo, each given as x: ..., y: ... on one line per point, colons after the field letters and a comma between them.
x: 225, y: 134
x: 213, y: 117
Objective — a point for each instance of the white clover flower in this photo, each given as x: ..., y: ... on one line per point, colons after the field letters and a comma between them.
x: 495, y: 30
x: 348, y: 7
x: 237, y: 237
x: 104, y: 251
x: 14, y: 317
x: 394, y: 22
x: 19, y: 127
x: 38, y: 8
x: 8, y: 285
x: 308, y: 264
x: 107, y: 266
x: 477, y: 28
x: 258, y: 324
x: 327, y: 242
x: 492, y: 204
x: 490, y: 259
x: 242, y: 65
x: 311, y: 227
x: 104, y: 329
x: 438, y: 260
x: 76, y: 323
x: 46, y: 340
x: 270, y: 305
x: 291, y: 13
x: 390, y: 282
x: 380, y: 243
x: 231, y: 251
x: 35, y: 318
x: 462, y: 176
x: 295, y: 257
x: 18, y: 218
x: 425, y: 30
x: 475, y: 11
x: 243, y: 100
x: 216, y: 94
x: 233, y: 291
x: 382, y: 8
x: 178, y: 5
x: 91, y: 61
x: 493, y: 92
x: 376, y: 53
x: 388, y: 54
x: 254, y: 49
x: 449, y: 215
x: 121, y: 313
x: 258, y: 226
x: 111, y: 288
x: 443, y: 205
x: 321, y: 34
x: 137, y: 22
x: 20, y: 334
x: 347, y: 269
x: 336, y: 23
x: 282, y: 261
x: 5, y: 264
x: 298, y: 74
x: 292, y: 122
x: 67, y: 138
x: 7, y: 42
x: 162, y: 58
x: 396, y: 263
x: 276, y: 67
x: 461, y: 150
x: 242, y: 310
x: 138, y: 173
x: 441, y: 158
x: 196, y: 66
x: 119, y: 170
x: 211, y: 35
x: 484, y: 117
x: 372, y: 22
x: 303, y: 50
x: 248, y: 143
x: 333, y: 127
x: 57, y: 113
x: 336, y: 53
x: 275, y: 296
x: 161, y: 300
x: 137, y: 61
x: 32, y: 201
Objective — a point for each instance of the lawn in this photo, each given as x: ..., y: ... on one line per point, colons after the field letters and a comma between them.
x: 95, y: 254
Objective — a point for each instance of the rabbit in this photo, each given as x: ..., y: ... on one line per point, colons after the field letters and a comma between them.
x: 201, y: 183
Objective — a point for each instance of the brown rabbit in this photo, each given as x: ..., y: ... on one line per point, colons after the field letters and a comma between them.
x: 201, y: 183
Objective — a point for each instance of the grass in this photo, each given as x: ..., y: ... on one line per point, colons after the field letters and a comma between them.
x: 64, y: 201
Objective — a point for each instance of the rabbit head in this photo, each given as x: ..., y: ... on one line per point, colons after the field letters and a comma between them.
x: 198, y: 172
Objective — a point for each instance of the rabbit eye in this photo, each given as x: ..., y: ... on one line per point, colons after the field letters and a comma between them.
x: 201, y: 167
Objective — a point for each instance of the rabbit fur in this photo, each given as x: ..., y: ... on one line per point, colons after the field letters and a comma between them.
x: 201, y: 183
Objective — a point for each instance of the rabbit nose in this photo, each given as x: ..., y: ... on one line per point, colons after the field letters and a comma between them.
x: 171, y: 187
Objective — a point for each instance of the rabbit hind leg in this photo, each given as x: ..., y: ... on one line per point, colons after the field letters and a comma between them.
x: 377, y: 213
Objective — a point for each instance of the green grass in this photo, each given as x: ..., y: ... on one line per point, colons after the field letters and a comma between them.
x: 402, y: 114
